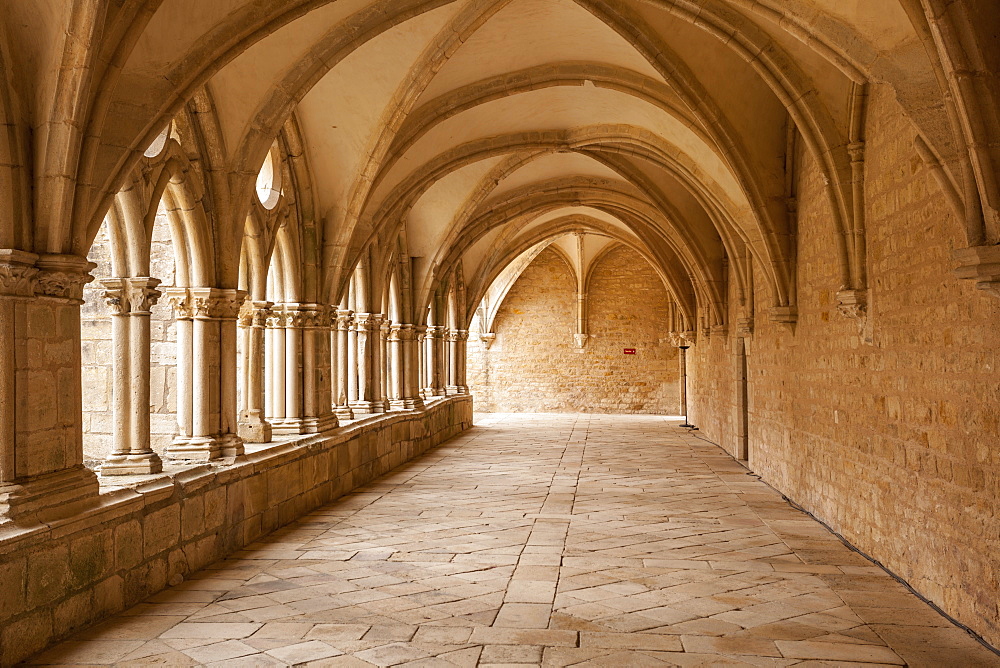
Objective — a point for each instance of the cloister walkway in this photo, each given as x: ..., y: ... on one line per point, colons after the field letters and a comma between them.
x: 542, y: 539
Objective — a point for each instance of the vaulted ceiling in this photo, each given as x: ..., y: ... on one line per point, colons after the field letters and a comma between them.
x: 478, y: 128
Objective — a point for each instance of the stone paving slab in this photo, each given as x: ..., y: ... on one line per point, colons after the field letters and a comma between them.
x: 541, y: 540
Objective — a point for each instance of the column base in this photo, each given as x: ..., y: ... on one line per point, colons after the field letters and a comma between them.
x: 253, y: 428
x: 146, y: 463
x: 452, y: 390
x: 344, y: 413
x: 205, y: 448
x: 363, y: 407
x: 317, y: 425
x: 406, y: 404
x: 49, y: 496
x: 380, y: 406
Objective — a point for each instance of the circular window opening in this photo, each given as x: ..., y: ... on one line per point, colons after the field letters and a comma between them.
x: 269, y: 179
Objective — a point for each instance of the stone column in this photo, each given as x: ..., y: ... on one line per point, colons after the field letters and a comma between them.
x: 353, y: 362
x: 408, y: 373
x: 253, y: 426
x: 41, y: 415
x: 451, y: 361
x: 276, y: 326
x: 180, y: 301
x: 366, y: 330
x: 394, y: 356
x: 213, y: 377
x: 342, y: 391
x: 461, y: 345
x: 382, y: 364
x: 438, y: 361
x: 132, y: 300
x: 422, y: 382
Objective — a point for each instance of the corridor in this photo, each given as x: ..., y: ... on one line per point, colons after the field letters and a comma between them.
x: 543, y: 540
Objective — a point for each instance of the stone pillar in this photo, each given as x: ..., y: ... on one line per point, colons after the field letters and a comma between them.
x: 366, y: 330
x: 277, y: 357
x: 438, y: 361
x: 180, y: 301
x: 461, y: 346
x: 307, y: 354
x: 342, y: 388
x: 394, y: 356
x: 451, y: 361
x: 407, y: 373
x: 382, y: 392
x: 41, y: 415
x: 253, y: 426
x: 422, y: 364
x: 353, y: 362
x: 213, y: 377
x: 131, y: 299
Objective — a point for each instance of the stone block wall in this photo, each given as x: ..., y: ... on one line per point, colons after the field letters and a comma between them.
x: 889, y: 432
x: 533, y: 366
x: 60, y: 577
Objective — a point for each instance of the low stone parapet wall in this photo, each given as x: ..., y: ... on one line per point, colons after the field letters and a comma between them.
x: 58, y: 577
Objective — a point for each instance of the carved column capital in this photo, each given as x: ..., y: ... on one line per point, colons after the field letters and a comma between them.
x: 343, y: 319
x: 63, y: 276
x: 254, y: 313
x: 368, y: 322
x: 141, y: 293
x: 114, y: 295
x: 216, y: 303
x: 180, y: 301
x: 17, y: 273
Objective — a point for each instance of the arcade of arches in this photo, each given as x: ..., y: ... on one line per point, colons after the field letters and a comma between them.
x: 256, y: 253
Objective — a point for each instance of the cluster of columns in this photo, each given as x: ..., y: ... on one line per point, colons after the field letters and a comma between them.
x: 375, y: 363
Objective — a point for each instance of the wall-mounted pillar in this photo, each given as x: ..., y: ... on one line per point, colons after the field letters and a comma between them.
x: 214, y: 425
x: 253, y: 426
x: 131, y: 300
x: 41, y: 416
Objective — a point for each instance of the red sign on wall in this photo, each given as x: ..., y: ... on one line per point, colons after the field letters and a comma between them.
x: 630, y: 351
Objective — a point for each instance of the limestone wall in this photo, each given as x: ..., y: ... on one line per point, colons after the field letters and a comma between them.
x: 895, y: 443
x: 95, y: 322
x: 57, y: 578
x: 532, y: 366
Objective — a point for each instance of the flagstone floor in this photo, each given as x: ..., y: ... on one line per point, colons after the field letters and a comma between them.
x: 547, y: 540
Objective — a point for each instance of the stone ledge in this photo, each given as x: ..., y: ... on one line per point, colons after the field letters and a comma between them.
x: 157, y: 529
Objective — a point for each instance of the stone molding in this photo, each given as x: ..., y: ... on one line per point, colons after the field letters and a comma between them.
x: 852, y: 303
x: 254, y: 313
x: 982, y: 265
x: 26, y: 275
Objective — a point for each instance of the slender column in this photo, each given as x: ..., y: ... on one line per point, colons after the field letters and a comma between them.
x: 213, y: 378
x: 395, y: 362
x: 42, y: 474
x: 438, y: 360
x: 426, y: 373
x: 293, y: 369
x: 451, y: 361
x: 277, y: 324
x: 180, y: 301
x: 461, y: 343
x: 253, y: 427
x: 409, y: 373
x: 353, y: 361
x: 366, y: 329
x: 137, y: 457
x: 117, y: 301
x: 381, y: 362
x: 343, y: 325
